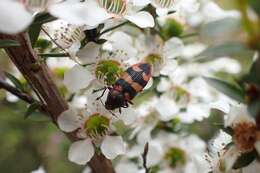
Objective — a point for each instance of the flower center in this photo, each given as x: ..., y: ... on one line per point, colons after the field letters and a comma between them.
x: 181, y: 95
x: 153, y: 59
x: 114, y: 6
x: 109, y: 70
x: 245, y: 136
x: 96, y: 125
x: 175, y: 156
x: 164, y: 3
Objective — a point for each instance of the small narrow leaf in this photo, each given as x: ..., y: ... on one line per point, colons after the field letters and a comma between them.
x: 226, y: 88
x: 35, y: 27
x: 42, y: 18
x: 8, y: 43
x: 231, y: 49
x: 34, y: 32
x: 245, y: 159
x: 16, y: 82
x: 32, y: 108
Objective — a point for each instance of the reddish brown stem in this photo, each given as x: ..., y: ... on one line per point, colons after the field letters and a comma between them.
x: 38, y: 76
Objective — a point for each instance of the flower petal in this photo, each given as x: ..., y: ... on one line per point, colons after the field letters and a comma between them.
x: 68, y: 120
x: 80, y: 13
x: 173, y: 48
x: 112, y: 146
x: 77, y: 78
x: 13, y: 18
x: 142, y: 19
x: 141, y: 3
x: 89, y: 53
x: 128, y: 116
x: 154, y: 155
x: 162, y: 11
x: 81, y: 152
x: 166, y: 107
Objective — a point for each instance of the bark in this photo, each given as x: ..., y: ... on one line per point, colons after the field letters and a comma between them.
x: 39, y: 77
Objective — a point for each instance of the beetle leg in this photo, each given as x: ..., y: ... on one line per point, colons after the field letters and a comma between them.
x: 129, y: 101
x: 104, y: 90
x: 126, y: 105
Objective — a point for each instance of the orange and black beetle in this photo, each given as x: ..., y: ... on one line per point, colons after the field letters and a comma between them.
x: 133, y: 80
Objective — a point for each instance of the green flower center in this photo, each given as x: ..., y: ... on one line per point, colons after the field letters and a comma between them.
x: 171, y: 28
x: 180, y: 93
x: 114, y: 6
x: 109, y: 70
x: 154, y: 59
x: 96, y: 125
x: 175, y: 156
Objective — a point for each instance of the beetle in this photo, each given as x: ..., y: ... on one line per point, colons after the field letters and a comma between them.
x: 132, y: 81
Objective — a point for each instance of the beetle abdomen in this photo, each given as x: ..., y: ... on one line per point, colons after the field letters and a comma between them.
x: 134, y: 79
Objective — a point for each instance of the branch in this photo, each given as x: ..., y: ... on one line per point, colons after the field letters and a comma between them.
x: 38, y: 76
x: 144, y: 156
x: 23, y: 96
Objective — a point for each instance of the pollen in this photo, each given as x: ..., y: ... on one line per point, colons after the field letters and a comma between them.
x: 96, y: 126
x: 108, y: 70
x: 245, y: 136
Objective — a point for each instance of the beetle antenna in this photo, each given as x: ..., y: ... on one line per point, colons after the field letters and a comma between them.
x: 104, y: 90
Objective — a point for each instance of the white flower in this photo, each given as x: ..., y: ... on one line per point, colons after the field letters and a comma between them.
x: 238, y: 114
x: 77, y: 78
x: 39, y: 170
x: 14, y: 17
x: 91, y: 127
x: 220, y: 158
x: 95, y: 12
x: 160, y: 54
x: 17, y: 15
x: 68, y: 37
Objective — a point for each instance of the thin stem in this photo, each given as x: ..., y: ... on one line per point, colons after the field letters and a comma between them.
x: 189, y: 35
x: 114, y: 27
x: 23, y: 96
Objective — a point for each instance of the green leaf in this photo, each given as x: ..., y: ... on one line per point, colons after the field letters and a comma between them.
x: 223, y: 28
x: 16, y: 82
x: 226, y: 88
x: 8, y: 43
x: 232, y: 49
x: 35, y: 27
x: 32, y: 108
x: 244, y: 160
x: 34, y: 32
x: 42, y: 18
x: 254, y: 108
x: 255, y: 4
x: 253, y: 76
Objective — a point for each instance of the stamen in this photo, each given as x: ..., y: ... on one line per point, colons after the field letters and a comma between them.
x: 114, y: 6
x: 164, y: 3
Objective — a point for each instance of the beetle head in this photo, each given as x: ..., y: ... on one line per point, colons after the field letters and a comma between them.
x: 115, y: 99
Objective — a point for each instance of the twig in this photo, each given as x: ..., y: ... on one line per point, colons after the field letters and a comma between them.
x: 23, y: 96
x: 114, y: 27
x: 40, y: 79
x: 144, y: 156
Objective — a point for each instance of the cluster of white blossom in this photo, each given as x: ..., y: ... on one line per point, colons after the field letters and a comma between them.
x: 177, y: 91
